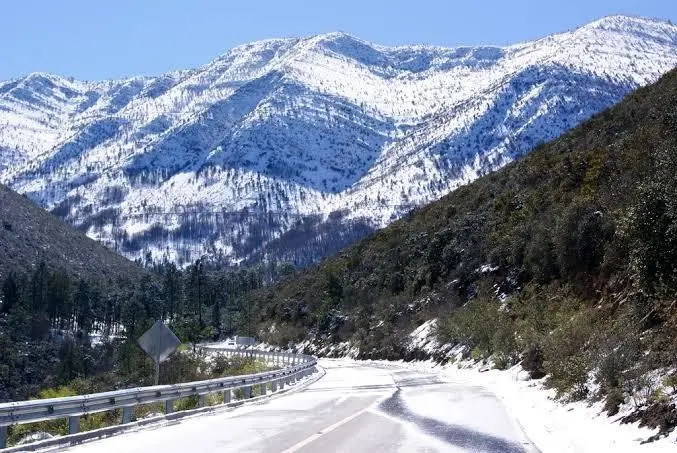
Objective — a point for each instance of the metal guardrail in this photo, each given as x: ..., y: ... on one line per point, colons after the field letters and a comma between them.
x: 294, y: 367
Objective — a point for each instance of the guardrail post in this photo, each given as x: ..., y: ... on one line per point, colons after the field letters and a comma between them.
x: 169, y: 406
x: 3, y: 437
x: 273, y: 386
x: 263, y: 389
x: 73, y: 424
x: 281, y: 383
x: 127, y: 412
x: 226, y: 396
x: 201, y: 400
x: 247, y: 392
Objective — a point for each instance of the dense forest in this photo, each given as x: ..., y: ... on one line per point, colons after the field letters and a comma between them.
x: 55, y: 328
x: 565, y: 260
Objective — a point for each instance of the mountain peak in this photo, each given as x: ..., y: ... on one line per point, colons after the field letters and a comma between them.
x: 335, y: 36
x: 643, y: 26
x: 624, y: 20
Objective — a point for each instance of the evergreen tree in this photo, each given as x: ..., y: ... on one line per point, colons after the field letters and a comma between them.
x: 10, y: 293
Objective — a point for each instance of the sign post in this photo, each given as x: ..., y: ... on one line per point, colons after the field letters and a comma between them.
x: 159, y: 342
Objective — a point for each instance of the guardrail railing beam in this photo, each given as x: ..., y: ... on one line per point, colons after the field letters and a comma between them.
x: 294, y: 368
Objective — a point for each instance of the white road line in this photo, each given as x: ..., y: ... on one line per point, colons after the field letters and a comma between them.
x: 326, y: 430
x: 338, y: 424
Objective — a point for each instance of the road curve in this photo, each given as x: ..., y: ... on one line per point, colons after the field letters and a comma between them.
x: 357, y: 407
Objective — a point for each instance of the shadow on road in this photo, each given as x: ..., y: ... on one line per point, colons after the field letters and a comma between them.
x: 457, y: 435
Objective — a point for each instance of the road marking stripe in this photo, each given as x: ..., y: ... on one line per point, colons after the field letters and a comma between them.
x: 328, y: 429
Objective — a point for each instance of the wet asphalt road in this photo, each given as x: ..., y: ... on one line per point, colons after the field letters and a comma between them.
x: 356, y: 407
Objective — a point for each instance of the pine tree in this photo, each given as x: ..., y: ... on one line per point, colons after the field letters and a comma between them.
x: 10, y: 293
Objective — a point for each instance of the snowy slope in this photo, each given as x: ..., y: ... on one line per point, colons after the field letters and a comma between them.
x: 267, y: 141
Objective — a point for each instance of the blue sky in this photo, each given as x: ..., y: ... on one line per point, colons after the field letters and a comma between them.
x: 98, y: 39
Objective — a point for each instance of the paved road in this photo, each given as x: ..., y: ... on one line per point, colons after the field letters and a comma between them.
x: 355, y: 408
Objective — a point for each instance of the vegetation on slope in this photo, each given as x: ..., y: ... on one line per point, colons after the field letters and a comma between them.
x: 29, y: 235
x: 565, y: 259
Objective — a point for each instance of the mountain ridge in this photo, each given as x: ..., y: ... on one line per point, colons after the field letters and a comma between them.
x: 304, y: 127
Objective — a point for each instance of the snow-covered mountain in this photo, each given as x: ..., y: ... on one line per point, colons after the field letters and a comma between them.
x: 290, y: 148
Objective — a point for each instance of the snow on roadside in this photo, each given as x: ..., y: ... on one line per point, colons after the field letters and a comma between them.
x: 553, y: 426
x: 423, y: 338
x: 344, y: 349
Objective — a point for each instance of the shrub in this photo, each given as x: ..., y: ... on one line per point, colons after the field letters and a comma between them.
x: 614, y: 399
x: 187, y: 403
x: 566, y: 359
x: 483, y: 327
x: 502, y: 361
x: 671, y: 381
x: 532, y: 361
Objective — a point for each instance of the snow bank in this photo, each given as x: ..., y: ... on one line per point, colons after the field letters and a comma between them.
x: 554, y: 427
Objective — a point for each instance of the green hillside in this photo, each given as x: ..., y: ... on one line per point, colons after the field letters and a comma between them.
x: 29, y: 235
x: 568, y: 258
